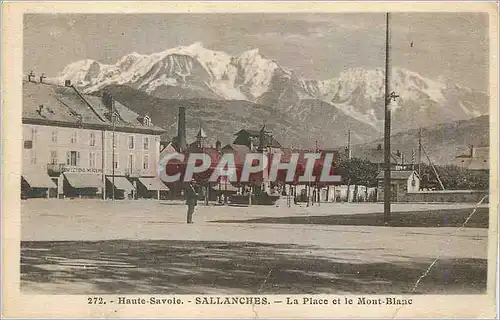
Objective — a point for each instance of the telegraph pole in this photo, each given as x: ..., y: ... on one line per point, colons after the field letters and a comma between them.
x: 388, y: 95
x: 113, y: 118
x: 349, y: 144
x: 419, y: 151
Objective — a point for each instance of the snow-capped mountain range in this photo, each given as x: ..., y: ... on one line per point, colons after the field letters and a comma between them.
x: 196, y: 72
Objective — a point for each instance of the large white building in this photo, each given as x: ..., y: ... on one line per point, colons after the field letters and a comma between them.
x: 77, y: 145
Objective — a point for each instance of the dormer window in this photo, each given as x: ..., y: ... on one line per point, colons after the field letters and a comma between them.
x: 146, y: 121
x: 79, y: 121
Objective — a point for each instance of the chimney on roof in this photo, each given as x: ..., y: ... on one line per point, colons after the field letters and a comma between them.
x: 107, y: 99
x: 67, y: 83
x: 181, y: 129
x: 218, y: 145
x: 348, y: 149
x: 42, y: 76
x: 31, y: 76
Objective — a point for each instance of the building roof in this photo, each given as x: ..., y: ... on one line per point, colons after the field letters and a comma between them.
x: 201, y: 133
x: 51, y: 104
x: 236, y: 148
x: 250, y: 132
x: 255, y: 137
x: 397, y: 174
x: 377, y: 156
x: 167, y: 148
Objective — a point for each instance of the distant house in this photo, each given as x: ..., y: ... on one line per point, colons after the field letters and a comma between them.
x: 476, y: 159
x: 254, y: 139
x: 376, y: 156
x: 402, y: 182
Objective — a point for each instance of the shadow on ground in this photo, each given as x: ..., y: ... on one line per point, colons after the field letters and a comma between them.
x: 191, y: 267
x: 427, y: 218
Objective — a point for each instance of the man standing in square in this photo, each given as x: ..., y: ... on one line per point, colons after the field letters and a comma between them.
x: 191, y: 200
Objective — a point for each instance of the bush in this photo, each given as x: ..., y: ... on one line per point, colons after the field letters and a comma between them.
x: 454, y: 178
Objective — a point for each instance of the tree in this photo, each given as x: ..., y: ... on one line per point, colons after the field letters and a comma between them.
x: 357, y: 172
x: 454, y: 178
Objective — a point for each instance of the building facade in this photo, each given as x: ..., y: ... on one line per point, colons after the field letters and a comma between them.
x: 89, y: 146
x: 402, y: 183
x: 476, y: 159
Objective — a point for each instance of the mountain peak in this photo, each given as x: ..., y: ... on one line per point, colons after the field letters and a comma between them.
x: 196, y: 45
x: 250, y: 54
x: 195, y: 71
x: 254, y: 51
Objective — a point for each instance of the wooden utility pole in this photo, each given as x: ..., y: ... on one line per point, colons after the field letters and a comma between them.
x: 113, y: 118
x: 434, y: 169
x: 103, y: 162
x: 349, y: 144
x: 317, y: 194
x: 388, y: 95
x: 413, y: 159
x: 419, y: 151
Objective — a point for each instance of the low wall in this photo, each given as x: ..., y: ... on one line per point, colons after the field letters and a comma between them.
x: 464, y: 196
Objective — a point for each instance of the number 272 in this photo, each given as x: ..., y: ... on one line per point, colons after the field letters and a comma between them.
x: 95, y: 300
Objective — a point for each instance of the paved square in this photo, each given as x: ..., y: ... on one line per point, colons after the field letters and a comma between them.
x: 93, y: 246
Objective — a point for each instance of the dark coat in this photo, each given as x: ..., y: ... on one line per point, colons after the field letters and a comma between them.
x: 191, y: 195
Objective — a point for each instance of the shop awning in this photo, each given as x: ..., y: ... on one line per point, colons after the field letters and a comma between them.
x: 85, y: 180
x: 38, y: 179
x: 121, y: 183
x: 153, y: 184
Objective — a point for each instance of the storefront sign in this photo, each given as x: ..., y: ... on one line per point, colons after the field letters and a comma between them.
x: 109, y: 171
x: 81, y: 170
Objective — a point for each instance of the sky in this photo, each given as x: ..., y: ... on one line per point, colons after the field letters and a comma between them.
x: 446, y: 46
